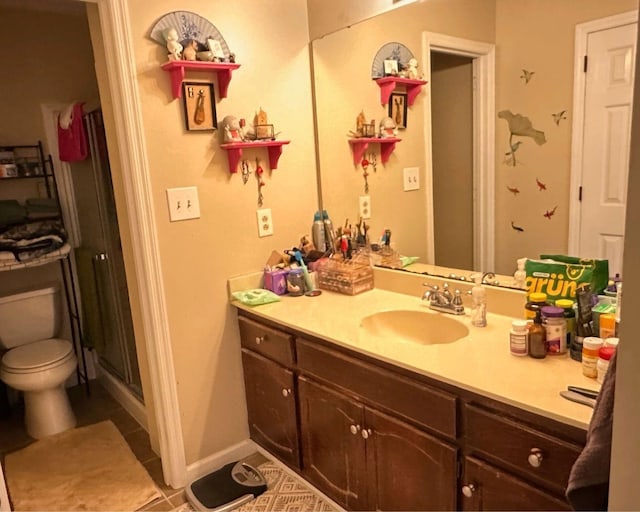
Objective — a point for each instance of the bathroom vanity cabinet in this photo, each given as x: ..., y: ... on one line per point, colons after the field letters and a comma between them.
x: 372, y: 435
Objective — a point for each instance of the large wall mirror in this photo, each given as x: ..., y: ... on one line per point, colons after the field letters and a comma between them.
x: 492, y: 134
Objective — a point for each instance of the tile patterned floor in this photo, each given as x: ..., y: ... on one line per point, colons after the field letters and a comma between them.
x: 99, y: 406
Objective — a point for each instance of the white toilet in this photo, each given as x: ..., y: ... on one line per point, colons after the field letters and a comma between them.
x: 36, y: 363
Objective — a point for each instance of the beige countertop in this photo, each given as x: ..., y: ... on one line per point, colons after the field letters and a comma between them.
x: 480, y: 362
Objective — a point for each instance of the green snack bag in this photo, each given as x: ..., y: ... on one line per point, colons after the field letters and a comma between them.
x: 557, y: 279
x: 255, y: 297
x: 600, y: 271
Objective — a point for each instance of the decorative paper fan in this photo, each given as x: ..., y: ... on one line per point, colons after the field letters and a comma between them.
x: 189, y: 26
x: 390, y: 51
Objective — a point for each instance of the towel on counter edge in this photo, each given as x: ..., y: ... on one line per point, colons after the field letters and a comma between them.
x: 588, y: 487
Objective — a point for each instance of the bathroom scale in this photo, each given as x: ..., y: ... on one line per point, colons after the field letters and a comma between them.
x: 227, y: 488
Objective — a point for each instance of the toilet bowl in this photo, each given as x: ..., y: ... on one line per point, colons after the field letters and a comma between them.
x: 37, y: 363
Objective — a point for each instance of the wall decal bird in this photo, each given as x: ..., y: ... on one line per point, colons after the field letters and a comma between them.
x: 527, y: 76
x: 514, y: 190
x: 560, y: 116
x: 541, y: 186
x: 549, y: 213
x: 517, y: 228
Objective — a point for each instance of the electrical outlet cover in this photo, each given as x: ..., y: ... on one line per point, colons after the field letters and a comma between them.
x: 365, y: 207
x: 265, y: 222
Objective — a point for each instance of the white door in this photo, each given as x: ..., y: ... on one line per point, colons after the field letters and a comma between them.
x: 607, y: 135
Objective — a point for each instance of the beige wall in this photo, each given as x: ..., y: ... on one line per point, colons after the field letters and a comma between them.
x: 197, y: 256
x: 537, y: 35
x: 342, y: 63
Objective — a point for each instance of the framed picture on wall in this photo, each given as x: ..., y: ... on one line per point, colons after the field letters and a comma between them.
x: 199, y: 106
x: 398, y: 109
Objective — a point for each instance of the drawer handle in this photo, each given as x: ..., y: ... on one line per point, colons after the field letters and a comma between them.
x: 468, y: 490
x: 354, y: 429
x: 260, y: 339
x: 535, y: 457
x: 286, y: 392
x: 366, y: 433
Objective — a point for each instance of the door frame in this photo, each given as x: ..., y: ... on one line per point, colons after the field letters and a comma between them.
x: 132, y: 155
x: 483, y: 55
x: 582, y: 32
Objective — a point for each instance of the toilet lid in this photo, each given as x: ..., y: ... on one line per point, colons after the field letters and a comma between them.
x: 34, y: 355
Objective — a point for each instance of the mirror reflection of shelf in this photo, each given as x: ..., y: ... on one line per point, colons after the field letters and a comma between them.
x: 177, y: 68
x: 360, y: 145
x: 389, y: 83
x: 234, y: 151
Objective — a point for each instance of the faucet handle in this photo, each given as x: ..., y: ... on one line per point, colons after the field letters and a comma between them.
x: 457, y: 299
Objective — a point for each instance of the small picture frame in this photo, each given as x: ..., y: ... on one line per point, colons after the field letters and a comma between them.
x: 390, y: 67
x: 264, y: 131
x: 398, y: 109
x: 199, y: 106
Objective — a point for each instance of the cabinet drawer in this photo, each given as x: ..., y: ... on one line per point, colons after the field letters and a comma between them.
x: 430, y: 407
x: 536, y: 454
x: 271, y: 343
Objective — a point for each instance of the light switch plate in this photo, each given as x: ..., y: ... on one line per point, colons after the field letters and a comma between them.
x: 365, y: 207
x: 183, y: 203
x: 265, y: 222
x: 411, y: 179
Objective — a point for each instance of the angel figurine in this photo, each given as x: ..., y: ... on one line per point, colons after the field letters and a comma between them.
x: 173, y: 44
x: 387, y: 128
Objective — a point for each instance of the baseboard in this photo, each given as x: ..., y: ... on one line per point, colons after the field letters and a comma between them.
x: 291, y: 472
x: 123, y: 396
x: 217, y: 460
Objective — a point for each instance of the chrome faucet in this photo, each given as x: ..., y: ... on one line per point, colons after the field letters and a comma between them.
x: 443, y: 300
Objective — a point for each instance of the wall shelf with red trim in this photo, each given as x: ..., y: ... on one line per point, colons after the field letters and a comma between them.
x: 360, y: 145
x: 389, y: 83
x: 177, y: 68
x: 234, y: 151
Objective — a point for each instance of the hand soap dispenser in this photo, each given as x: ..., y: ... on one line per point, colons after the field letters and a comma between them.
x: 520, y: 275
x: 479, y: 303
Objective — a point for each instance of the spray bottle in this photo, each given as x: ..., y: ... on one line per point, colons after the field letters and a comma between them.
x: 479, y: 303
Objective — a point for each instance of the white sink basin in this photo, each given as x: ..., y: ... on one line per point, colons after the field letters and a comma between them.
x: 416, y: 326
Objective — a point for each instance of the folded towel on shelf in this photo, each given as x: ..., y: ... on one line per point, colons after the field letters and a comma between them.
x: 33, y: 239
x: 7, y: 257
x: 42, y: 203
x: 588, y: 487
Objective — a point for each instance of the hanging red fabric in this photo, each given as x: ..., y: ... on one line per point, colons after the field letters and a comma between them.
x: 72, y: 137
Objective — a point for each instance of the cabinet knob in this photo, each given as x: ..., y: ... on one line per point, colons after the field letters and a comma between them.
x: 366, y: 432
x: 468, y: 490
x: 260, y: 339
x: 535, y: 457
x: 354, y: 429
x: 286, y: 392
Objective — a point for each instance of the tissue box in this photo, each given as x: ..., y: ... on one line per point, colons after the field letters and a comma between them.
x: 349, y: 278
x: 276, y: 281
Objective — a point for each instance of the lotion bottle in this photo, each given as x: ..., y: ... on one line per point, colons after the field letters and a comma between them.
x: 520, y: 275
x: 479, y: 303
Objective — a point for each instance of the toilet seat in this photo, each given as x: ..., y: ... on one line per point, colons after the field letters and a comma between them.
x: 37, y: 356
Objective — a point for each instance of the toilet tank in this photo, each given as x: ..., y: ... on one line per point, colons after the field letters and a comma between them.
x: 29, y: 316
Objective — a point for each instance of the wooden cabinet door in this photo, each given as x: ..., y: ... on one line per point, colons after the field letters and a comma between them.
x: 333, y: 450
x: 484, y: 487
x: 271, y: 407
x: 408, y: 469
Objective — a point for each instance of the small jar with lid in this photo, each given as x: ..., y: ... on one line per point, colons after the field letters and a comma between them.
x: 570, y: 320
x: 556, y: 327
x: 519, y: 338
x: 590, y: 353
x: 295, y: 282
x: 607, y: 325
x: 611, y: 342
x: 537, y: 338
x: 604, y: 356
x: 537, y: 300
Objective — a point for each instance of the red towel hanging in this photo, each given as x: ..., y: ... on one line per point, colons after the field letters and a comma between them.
x: 72, y: 138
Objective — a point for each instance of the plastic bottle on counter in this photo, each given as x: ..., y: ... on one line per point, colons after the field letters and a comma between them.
x: 590, y: 348
x: 604, y: 356
x: 329, y: 233
x: 570, y: 320
x: 536, y: 301
x: 519, y: 338
x: 479, y: 303
x: 607, y: 325
x: 317, y: 233
x: 556, y: 329
x: 537, y: 338
x: 618, y: 306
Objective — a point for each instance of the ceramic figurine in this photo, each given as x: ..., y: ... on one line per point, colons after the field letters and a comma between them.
x: 232, y: 129
x: 190, y: 51
x: 173, y: 45
x: 412, y: 71
x: 387, y: 128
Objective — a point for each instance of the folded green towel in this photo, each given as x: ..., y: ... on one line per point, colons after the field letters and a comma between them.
x: 408, y: 260
x: 255, y: 297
